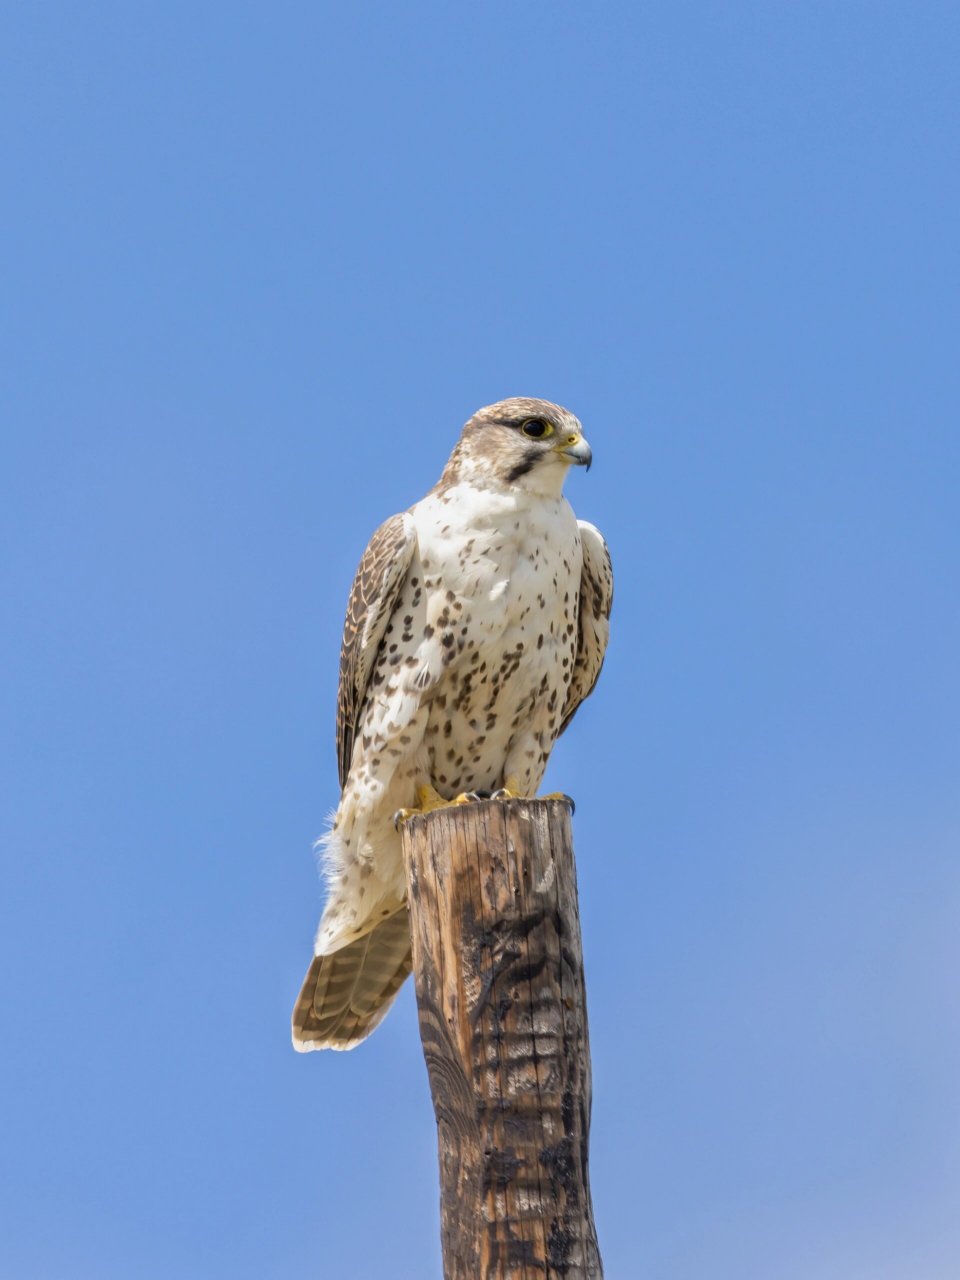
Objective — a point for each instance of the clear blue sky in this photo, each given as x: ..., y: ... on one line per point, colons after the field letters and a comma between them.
x: 259, y: 264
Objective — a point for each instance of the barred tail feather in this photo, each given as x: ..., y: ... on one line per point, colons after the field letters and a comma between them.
x: 347, y: 992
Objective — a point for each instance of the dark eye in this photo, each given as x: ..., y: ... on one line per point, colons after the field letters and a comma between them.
x: 536, y: 428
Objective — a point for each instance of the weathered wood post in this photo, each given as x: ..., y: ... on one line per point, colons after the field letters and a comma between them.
x: 499, y: 973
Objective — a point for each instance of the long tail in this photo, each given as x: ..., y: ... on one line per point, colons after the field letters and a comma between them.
x: 346, y: 993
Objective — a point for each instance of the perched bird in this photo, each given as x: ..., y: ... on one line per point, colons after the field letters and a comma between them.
x: 476, y: 625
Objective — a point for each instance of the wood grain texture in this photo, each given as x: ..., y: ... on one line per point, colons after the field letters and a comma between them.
x: 499, y: 973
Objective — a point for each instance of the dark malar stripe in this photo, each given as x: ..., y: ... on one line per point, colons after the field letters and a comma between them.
x: 524, y: 466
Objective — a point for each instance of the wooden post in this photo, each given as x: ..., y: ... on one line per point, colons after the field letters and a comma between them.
x: 499, y: 972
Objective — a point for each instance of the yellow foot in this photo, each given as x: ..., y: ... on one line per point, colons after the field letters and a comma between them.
x: 561, y: 795
x: 429, y: 800
x: 511, y: 791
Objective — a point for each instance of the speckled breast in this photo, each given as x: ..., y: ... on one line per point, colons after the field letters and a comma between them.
x: 503, y: 598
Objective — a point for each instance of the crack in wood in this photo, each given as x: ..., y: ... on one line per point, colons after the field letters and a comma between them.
x: 497, y: 961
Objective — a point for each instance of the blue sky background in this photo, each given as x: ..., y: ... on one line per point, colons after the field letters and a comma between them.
x: 259, y: 264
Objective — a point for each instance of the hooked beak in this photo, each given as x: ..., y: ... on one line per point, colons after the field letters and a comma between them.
x: 575, y: 449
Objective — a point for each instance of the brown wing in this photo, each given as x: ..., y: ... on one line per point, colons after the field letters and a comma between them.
x: 593, y: 619
x: 373, y: 597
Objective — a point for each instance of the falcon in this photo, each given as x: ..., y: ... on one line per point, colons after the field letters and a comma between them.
x: 477, y: 624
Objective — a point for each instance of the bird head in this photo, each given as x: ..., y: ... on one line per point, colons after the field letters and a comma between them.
x: 520, y: 443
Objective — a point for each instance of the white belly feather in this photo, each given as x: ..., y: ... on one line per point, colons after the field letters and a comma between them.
x: 470, y: 683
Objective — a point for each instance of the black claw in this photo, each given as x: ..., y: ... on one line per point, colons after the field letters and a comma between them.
x: 398, y: 819
x: 481, y: 793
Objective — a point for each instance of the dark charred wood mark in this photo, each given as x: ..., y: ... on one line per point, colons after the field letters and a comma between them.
x: 499, y: 974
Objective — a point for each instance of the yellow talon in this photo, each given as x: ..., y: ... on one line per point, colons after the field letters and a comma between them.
x: 561, y: 795
x: 428, y: 801
x: 511, y: 791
